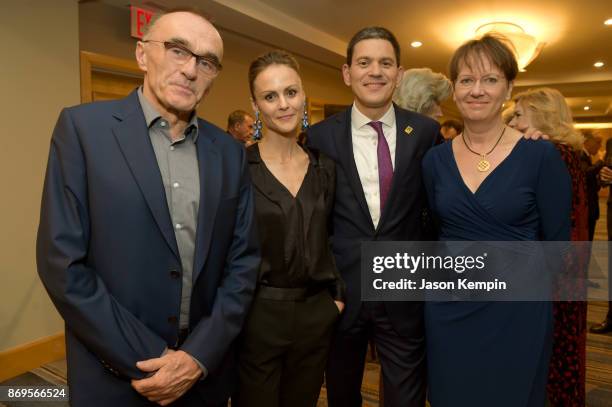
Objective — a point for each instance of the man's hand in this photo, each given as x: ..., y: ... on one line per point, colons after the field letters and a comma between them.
x: 605, y: 175
x: 175, y: 373
x: 340, y: 306
x: 534, y: 134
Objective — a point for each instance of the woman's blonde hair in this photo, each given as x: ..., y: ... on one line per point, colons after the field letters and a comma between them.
x: 508, y: 111
x: 550, y: 114
x: 420, y: 89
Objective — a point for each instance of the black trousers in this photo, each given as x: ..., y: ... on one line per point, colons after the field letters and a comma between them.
x: 609, y: 225
x: 283, y: 351
x: 402, y: 360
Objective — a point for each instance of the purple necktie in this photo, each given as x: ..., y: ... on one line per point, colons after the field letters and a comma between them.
x: 385, y: 167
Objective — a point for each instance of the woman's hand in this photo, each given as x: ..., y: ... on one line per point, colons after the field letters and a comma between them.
x: 606, y: 175
x: 340, y: 306
x: 535, y: 134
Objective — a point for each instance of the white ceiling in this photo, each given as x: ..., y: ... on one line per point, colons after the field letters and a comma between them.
x: 573, y: 31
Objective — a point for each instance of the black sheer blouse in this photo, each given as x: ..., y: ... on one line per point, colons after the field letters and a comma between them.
x: 293, y: 232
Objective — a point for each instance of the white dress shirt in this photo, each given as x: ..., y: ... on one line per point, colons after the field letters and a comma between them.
x: 365, y: 145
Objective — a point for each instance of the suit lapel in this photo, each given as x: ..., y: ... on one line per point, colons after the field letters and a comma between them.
x: 344, y: 147
x: 133, y: 137
x: 211, y: 178
x: 404, y: 146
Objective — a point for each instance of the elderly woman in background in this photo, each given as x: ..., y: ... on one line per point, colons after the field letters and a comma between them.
x: 545, y: 109
x: 485, y: 185
x: 422, y: 91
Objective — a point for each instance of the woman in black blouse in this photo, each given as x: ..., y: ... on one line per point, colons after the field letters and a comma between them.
x: 299, y: 296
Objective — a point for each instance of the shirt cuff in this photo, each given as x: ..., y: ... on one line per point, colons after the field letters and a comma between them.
x: 201, y: 366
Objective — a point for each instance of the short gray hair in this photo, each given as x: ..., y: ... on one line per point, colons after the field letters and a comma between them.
x: 192, y: 10
x: 420, y: 89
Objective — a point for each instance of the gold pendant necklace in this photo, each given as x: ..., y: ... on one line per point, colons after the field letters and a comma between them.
x: 483, y: 165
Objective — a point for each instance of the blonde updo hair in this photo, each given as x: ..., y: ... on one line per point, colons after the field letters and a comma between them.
x: 550, y: 114
x: 420, y: 89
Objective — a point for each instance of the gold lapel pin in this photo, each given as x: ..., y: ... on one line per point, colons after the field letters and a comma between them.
x: 408, y: 130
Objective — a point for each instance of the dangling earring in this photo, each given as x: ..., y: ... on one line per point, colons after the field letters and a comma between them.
x: 258, y: 125
x: 305, y: 123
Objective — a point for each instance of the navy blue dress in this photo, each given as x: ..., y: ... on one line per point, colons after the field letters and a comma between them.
x: 483, y: 354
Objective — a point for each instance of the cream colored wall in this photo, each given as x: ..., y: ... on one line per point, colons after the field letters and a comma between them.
x: 105, y: 29
x: 38, y: 76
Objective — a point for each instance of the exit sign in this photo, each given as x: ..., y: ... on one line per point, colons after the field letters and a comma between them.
x: 139, y: 19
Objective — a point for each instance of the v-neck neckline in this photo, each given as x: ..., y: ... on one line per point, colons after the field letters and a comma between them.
x: 490, y: 175
x: 294, y: 197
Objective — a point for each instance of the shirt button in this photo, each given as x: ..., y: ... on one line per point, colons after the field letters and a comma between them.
x: 175, y: 185
x: 171, y: 148
x: 178, y: 226
x: 376, y: 167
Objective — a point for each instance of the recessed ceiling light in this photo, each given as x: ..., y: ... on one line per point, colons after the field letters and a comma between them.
x: 587, y: 108
x: 598, y: 64
x: 589, y: 100
x: 416, y: 44
x: 608, y: 21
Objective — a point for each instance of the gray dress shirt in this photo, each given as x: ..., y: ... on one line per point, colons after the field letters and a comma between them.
x: 178, y: 165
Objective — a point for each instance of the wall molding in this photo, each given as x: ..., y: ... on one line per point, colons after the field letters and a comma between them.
x: 28, y: 356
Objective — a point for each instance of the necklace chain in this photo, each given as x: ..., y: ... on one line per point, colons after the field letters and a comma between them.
x: 464, y: 135
x: 484, y: 164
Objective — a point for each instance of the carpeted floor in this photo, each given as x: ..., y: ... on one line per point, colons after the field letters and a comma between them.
x: 599, y: 373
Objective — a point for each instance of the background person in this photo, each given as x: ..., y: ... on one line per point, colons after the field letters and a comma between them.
x: 591, y: 164
x: 605, y: 175
x: 422, y: 90
x: 451, y: 129
x: 545, y: 109
x: 240, y: 126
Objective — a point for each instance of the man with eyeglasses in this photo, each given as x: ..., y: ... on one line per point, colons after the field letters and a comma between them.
x: 146, y: 242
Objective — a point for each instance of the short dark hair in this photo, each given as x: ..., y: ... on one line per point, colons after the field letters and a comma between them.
x: 236, y: 117
x: 454, y: 124
x: 372, y: 33
x: 276, y: 57
x: 496, y: 47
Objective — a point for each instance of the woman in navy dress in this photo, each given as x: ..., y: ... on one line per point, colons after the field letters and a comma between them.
x: 491, y: 184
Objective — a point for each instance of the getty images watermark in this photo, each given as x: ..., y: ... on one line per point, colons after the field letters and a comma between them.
x: 484, y: 271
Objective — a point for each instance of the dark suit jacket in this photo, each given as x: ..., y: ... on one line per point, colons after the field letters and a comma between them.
x: 402, y: 218
x: 108, y: 257
x: 592, y: 183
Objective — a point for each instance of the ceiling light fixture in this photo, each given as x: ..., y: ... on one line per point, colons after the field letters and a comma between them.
x: 587, y: 108
x: 416, y: 44
x: 526, y: 47
x: 598, y: 64
x: 608, y: 21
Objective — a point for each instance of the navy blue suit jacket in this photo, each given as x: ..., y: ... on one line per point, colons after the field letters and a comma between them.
x: 108, y: 257
x: 402, y: 217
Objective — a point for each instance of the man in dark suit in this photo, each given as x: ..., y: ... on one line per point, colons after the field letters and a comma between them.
x: 240, y: 125
x: 605, y: 174
x: 592, y: 145
x: 146, y: 242
x: 377, y: 148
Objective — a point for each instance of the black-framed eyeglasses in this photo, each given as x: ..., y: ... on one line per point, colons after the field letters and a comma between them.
x: 180, y: 54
